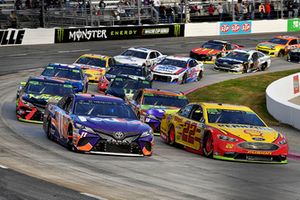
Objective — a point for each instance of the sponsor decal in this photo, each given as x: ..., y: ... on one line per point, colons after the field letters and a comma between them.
x: 60, y: 35
x: 86, y: 34
x: 260, y: 152
x: 228, y: 28
x: 229, y: 146
x: 245, y: 126
x: 296, y: 84
x: 123, y: 32
x: 253, y: 133
x: 293, y: 25
x: 119, y: 135
x: 177, y: 30
x: 156, y: 31
x: 11, y: 37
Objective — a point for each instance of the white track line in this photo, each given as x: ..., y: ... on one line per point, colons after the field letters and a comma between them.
x: 3, y: 167
x: 93, y: 196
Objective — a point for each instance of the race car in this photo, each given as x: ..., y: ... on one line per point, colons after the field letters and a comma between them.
x: 71, y: 73
x: 97, y: 124
x: 125, y: 87
x: 93, y: 65
x: 212, y: 50
x: 223, y: 131
x: 243, y: 61
x: 175, y: 69
x: 279, y: 45
x: 293, y: 55
x: 151, y: 104
x: 139, y: 56
x: 132, y: 71
x: 33, y: 96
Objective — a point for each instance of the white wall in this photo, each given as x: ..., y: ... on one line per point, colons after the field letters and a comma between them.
x: 269, y: 26
x: 201, y: 29
x: 38, y: 36
x: 278, y: 95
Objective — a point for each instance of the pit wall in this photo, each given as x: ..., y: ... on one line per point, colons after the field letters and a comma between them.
x: 278, y: 95
x: 11, y: 37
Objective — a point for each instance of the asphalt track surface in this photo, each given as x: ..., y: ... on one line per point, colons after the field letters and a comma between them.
x: 171, y: 173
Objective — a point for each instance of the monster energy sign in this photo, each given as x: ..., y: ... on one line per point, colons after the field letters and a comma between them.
x: 114, y: 33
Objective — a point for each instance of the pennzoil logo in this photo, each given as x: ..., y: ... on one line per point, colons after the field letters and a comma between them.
x: 176, y: 30
x: 260, y: 152
x: 60, y: 35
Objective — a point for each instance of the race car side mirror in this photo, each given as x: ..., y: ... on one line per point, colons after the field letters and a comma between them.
x: 23, y: 83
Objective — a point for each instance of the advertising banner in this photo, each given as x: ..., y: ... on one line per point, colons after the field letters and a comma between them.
x: 233, y: 28
x: 296, y: 84
x: 63, y: 35
x: 11, y: 37
x: 293, y: 25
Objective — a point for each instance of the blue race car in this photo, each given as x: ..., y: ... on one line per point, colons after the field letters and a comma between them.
x: 72, y: 73
x: 98, y: 124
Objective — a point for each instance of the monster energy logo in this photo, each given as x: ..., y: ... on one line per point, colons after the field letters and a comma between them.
x: 60, y: 35
x: 176, y: 30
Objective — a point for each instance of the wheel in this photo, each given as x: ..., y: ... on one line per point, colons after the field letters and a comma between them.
x: 48, y: 130
x: 288, y: 58
x: 245, y: 70
x: 280, y: 53
x: 200, y: 75
x: 263, y: 67
x: 208, y: 145
x: 184, y: 79
x: 70, y: 145
x: 171, y: 136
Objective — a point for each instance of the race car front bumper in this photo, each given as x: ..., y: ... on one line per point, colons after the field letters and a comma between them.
x: 171, y: 78
x: 267, y: 51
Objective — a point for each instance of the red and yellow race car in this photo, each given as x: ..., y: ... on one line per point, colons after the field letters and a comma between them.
x: 93, y: 65
x: 222, y: 131
x: 279, y: 45
x: 212, y: 50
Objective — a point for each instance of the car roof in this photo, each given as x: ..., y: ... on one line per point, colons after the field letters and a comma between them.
x: 225, y: 106
x: 180, y: 58
x: 98, y: 97
x: 286, y: 37
x: 245, y: 51
x: 48, y: 79
x: 98, y: 56
x: 128, y: 66
x: 162, y: 92
x: 217, y: 41
x: 141, y: 49
x: 65, y: 66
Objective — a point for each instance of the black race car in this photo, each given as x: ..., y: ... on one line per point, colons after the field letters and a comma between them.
x: 293, y: 55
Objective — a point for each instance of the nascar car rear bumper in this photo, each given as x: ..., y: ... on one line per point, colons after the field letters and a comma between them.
x: 208, y: 59
x: 267, y: 51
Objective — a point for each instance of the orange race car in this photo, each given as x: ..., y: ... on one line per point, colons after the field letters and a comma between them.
x: 279, y: 45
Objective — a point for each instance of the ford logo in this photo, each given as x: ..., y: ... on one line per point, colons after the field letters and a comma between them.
x: 258, y: 139
x: 225, y: 63
x: 119, y: 135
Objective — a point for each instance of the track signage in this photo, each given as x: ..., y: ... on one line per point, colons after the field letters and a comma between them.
x: 232, y: 28
x: 9, y: 37
x: 293, y: 25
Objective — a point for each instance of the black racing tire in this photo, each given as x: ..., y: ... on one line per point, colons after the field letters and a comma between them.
x: 207, y: 146
x: 70, y: 145
x: 183, y: 81
x: 171, y: 136
x: 288, y: 58
x: 200, y: 75
x: 264, y: 66
x: 48, y: 130
x: 281, y: 53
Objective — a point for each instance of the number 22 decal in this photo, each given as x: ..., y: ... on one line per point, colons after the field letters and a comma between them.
x: 188, y: 132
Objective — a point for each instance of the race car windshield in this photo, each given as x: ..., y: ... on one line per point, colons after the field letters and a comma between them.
x: 238, y: 56
x: 172, y: 62
x: 73, y: 74
x: 164, y: 100
x: 278, y: 41
x: 137, y: 54
x: 104, y: 109
x: 135, y: 71
x: 43, y: 87
x: 92, y: 61
x: 127, y: 83
x: 223, y: 116
x: 215, y: 46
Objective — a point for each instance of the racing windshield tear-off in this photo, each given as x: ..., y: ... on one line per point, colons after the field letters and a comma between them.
x: 73, y: 74
x: 164, y: 100
x: 171, y: 62
x: 137, y: 54
x: 92, y: 61
x: 42, y: 87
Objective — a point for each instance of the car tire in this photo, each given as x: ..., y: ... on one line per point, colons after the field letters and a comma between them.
x: 70, y: 145
x: 200, y: 75
x: 288, y: 58
x: 207, y: 146
x: 171, y: 136
x: 184, y: 79
x: 264, y: 66
x: 281, y: 53
x: 48, y: 130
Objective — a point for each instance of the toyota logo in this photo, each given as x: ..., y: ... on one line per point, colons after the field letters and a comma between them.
x: 119, y: 135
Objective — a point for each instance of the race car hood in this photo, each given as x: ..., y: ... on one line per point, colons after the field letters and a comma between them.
x: 229, y: 61
x: 129, y: 60
x: 249, y: 133
x: 112, y: 125
x: 86, y: 67
x: 122, y: 93
x: 268, y: 45
x: 42, y: 99
x: 168, y: 69
x: 159, y: 111
x: 205, y: 51
x: 77, y: 85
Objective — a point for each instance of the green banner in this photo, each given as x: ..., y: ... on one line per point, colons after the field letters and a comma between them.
x: 293, y: 25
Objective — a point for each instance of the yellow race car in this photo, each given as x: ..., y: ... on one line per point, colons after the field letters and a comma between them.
x: 93, y: 65
x: 279, y: 45
x: 222, y: 131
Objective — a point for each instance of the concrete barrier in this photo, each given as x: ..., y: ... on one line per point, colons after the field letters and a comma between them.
x: 201, y: 29
x: 278, y: 95
x: 269, y: 26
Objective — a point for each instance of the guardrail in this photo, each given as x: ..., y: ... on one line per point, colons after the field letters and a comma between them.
x: 278, y: 95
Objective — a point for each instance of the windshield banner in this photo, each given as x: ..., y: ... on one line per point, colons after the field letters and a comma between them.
x: 63, y: 35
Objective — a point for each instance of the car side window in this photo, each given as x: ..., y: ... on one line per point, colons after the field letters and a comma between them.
x: 69, y: 104
x: 191, y: 63
x: 61, y: 103
x: 292, y: 42
x: 228, y: 47
x: 260, y: 55
x: 185, y: 111
x: 152, y: 55
x: 196, y: 113
x: 254, y: 57
x: 138, y: 96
